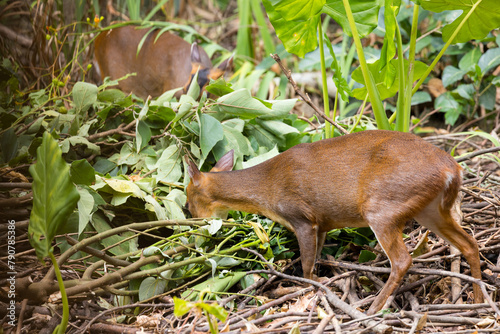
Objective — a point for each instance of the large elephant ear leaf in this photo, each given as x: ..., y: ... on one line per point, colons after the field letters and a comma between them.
x: 482, y: 17
x: 365, y: 13
x: 54, y: 195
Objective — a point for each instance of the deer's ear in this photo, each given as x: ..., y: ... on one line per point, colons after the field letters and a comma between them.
x: 193, y: 171
x: 225, y: 163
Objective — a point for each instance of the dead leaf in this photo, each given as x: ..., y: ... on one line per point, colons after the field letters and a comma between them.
x: 436, y: 87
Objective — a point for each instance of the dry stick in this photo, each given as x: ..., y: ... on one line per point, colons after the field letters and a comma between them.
x: 305, y: 96
x: 476, y: 153
x: 118, y: 308
x: 321, y: 327
x: 330, y: 296
x: 419, y: 271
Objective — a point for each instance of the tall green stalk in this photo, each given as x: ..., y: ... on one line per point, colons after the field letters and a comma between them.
x: 411, y: 70
x: 61, y: 328
x: 377, y: 106
x: 402, y: 79
x: 326, y: 100
x: 443, y: 50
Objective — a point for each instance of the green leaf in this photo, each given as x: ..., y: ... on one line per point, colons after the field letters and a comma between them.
x: 360, y: 93
x: 451, y: 74
x: 339, y: 81
x: 466, y: 91
x: 389, y: 46
x: 487, y: 98
x: 365, y: 256
x: 84, y: 95
x: 115, y: 244
x: 484, y: 17
x: 151, y: 287
x: 143, y: 135
x: 215, y: 284
x: 450, y: 106
x: 261, y: 158
x: 469, y: 60
x: 54, y: 195
x: 214, y: 309
x: 169, y: 165
x: 298, y: 36
x: 365, y: 14
x: 82, y: 172
x: 210, y: 133
x: 85, y: 208
x: 489, y: 60
x: 181, y: 307
x: 297, y: 9
x: 173, y: 203
x: 241, y: 103
x: 9, y: 144
x: 420, y: 97
x: 219, y: 87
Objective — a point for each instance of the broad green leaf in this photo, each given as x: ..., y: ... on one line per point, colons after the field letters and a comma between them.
x: 339, y: 81
x: 142, y: 135
x: 181, y: 307
x: 84, y: 95
x: 214, y: 284
x: 469, y: 60
x: 280, y: 109
x: 365, y: 14
x: 360, y: 93
x: 451, y: 74
x: 389, y: 47
x: 76, y: 140
x: 9, y: 144
x: 116, y: 244
x: 297, y: 9
x: 151, y: 287
x: 241, y: 103
x: 262, y: 137
x: 449, y: 106
x: 489, y: 60
x: 219, y: 87
x: 298, y: 36
x: 210, y: 133
x: 153, y: 205
x: 82, y: 172
x: 420, y: 97
x: 365, y: 256
x: 214, y: 226
x: 169, y: 165
x: 124, y: 187
x: 277, y: 128
x: 261, y: 158
x: 85, y: 208
x: 466, y: 91
x: 487, y: 97
x: 173, y: 203
x: 484, y: 17
x: 214, y: 309
x: 233, y: 139
x: 54, y: 196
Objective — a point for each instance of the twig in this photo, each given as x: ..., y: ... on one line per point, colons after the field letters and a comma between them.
x: 330, y: 296
x: 420, y: 272
x: 305, y: 96
x: 476, y: 153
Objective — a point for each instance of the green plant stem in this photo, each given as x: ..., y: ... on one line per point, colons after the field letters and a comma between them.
x: 400, y: 117
x: 326, y: 100
x: 378, y: 108
x: 443, y: 50
x: 411, y: 70
x: 61, y: 328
